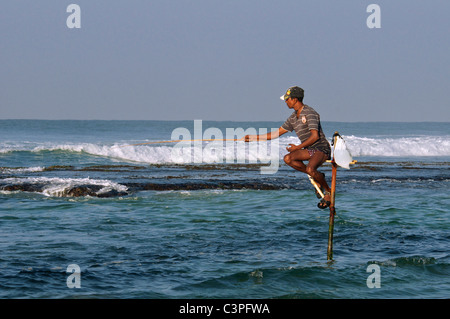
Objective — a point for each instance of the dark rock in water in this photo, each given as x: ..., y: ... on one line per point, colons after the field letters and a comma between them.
x: 91, y: 190
x: 96, y: 190
x: 23, y: 187
x: 58, y: 168
x: 200, y: 186
x: 111, y: 193
x: 81, y: 190
x: 75, y: 191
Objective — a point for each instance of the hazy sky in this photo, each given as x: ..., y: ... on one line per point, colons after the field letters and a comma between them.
x: 224, y: 60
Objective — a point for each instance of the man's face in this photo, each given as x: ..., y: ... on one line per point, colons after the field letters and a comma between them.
x: 290, y: 103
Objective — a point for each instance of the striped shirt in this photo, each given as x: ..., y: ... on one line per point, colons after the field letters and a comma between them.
x: 308, y: 120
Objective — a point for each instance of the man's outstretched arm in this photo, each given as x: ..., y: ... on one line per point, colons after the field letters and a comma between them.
x: 265, y: 137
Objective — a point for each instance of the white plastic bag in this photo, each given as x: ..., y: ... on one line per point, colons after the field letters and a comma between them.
x: 342, y: 156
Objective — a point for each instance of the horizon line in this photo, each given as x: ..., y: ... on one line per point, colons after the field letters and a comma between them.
x: 208, y: 120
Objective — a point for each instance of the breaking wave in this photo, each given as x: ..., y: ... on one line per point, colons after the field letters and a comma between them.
x: 399, y: 146
x: 240, y: 152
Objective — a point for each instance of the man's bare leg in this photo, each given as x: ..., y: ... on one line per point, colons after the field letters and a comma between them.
x: 295, y: 160
x: 314, y: 163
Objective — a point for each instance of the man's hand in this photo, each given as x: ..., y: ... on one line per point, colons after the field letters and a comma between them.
x: 292, y: 147
x: 264, y: 137
x: 250, y: 138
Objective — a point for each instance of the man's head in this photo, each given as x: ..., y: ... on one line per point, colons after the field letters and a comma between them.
x: 293, y: 92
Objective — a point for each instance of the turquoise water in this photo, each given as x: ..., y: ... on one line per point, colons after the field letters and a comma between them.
x: 139, y: 224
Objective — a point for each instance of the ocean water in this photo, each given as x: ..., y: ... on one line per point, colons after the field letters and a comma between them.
x: 155, y: 221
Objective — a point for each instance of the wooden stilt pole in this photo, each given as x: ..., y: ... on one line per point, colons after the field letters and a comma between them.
x: 332, y: 212
x: 332, y: 205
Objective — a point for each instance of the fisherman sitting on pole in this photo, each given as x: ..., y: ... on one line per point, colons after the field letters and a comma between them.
x: 314, y: 146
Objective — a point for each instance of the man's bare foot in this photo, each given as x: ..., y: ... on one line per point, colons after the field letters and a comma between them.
x: 326, y: 201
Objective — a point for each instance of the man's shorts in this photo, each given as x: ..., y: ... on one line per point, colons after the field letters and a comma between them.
x: 313, y: 151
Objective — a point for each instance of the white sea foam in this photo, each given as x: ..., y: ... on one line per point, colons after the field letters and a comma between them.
x: 399, y: 146
x: 241, y: 152
x: 238, y: 152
